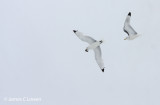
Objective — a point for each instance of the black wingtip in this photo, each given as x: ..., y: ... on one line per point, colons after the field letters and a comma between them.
x: 103, y: 70
x: 74, y: 31
x: 129, y: 14
x: 86, y: 50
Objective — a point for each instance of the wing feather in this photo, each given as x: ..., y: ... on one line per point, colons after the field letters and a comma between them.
x: 127, y: 27
x: 98, y: 57
x: 84, y: 38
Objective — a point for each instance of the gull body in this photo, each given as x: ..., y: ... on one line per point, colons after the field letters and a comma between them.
x: 93, y: 46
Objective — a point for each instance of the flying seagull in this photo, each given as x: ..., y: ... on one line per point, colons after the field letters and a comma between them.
x: 132, y: 34
x: 93, y: 44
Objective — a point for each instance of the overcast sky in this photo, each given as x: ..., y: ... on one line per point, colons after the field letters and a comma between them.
x: 40, y: 56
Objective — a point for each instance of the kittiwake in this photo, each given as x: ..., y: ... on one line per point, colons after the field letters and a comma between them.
x: 132, y: 34
x: 93, y: 44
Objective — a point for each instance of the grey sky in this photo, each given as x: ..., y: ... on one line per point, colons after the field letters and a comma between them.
x: 40, y: 56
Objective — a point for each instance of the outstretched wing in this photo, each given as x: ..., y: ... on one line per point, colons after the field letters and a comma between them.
x: 127, y: 27
x: 98, y: 57
x: 84, y: 38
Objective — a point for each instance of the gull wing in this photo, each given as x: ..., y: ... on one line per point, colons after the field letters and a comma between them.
x: 127, y: 27
x: 98, y: 57
x: 84, y: 38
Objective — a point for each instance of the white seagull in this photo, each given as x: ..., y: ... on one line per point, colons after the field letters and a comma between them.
x: 132, y: 34
x: 93, y: 44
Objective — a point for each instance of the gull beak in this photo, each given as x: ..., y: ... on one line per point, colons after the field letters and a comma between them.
x: 125, y: 38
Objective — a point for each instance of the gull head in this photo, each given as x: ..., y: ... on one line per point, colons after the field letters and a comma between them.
x: 132, y: 37
x: 75, y: 31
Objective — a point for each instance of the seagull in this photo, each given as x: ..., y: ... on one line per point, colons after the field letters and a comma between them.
x: 132, y: 34
x: 94, y: 45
